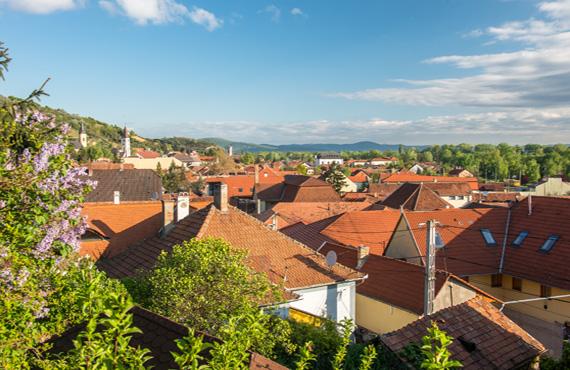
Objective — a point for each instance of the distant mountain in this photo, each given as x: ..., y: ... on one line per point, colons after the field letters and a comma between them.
x: 240, y: 147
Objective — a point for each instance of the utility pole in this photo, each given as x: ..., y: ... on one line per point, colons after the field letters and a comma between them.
x: 429, y: 285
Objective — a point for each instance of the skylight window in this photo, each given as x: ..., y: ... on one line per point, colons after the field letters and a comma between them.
x: 520, y: 238
x: 549, y: 243
x: 438, y: 240
x: 488, y: 237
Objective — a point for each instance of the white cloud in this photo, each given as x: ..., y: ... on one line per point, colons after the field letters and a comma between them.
x: 298, y: 12
x: 42, y: 6
x: 205, y: 18
x: 273, y: 11
x: 537, y: 75
x: 161, y: 11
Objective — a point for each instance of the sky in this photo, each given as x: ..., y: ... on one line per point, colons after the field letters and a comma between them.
x: 298, y: 71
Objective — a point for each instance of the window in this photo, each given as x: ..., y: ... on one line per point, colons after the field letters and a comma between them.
x: 452, y: 197
x: 460, y: 197
x: 517, y: 284
x: 520, y: 239
x: 545, y: 291
x: 496, y: 280
x: 549, y: 243
x: 439, y: 243
x: 488, y: 236
x: 240, y: 190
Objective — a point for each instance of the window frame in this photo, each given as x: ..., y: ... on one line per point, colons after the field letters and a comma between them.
x: 553, y: 239
x: 516, y: 284
x: 520, y: 235
x: 489, y: 244
x: 496, y: 280
x: 545, y: 291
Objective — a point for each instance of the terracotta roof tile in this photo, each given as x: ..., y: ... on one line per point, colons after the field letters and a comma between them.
x: 159, y: 335
x: 298, y: 188
x: 498, y: 342
x: 123, y: 224
x: 415, y: 197
x: 307, y: 212
x: 285, y: 260
x: 402, y: 177
x: 382, y: 190
x: 310, y: 234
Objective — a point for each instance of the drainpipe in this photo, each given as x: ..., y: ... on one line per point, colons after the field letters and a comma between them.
x: 505, y: 241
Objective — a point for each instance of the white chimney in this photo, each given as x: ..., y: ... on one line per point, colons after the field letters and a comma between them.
x: 116, y: 197
x: 221, y: 196
x: 361, y: 254
x: 274, y: 222
x: 182, y: 206
x: 530, y: 204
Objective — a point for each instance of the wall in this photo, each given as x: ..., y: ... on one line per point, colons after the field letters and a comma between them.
x: 458, y: 203
x: 543, y: 323
x: 150, y: 164
x: 326, y: 161
x: 336, y: 301
x: 381, y: 317
x: 553, y: 187
x: 402, y: 245
x: 452, y: 294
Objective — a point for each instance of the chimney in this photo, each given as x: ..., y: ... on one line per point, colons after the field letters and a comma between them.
x: 116, y: 197
x: 274, y: 222
x: 256, y: 175
x: 90, y: 171
x: 361, y: 254
x: 167, y: 215
x: 530, y: 204
x: 182, y: 206
x: 221, y: 196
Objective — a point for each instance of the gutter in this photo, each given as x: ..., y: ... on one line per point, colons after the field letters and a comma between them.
x: 501, y: 264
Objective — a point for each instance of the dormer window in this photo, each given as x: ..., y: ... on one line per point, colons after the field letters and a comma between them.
x: 549, y: 243
x: 488, y: 237
x: 520, y: 239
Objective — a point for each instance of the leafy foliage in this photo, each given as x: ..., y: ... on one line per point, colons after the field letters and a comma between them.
x: 548, y: 363
x: 334, y: 176
x: 433, y: 354
x: 174, y: 180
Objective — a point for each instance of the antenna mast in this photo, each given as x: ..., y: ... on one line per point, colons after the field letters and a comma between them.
x: 429, y: 285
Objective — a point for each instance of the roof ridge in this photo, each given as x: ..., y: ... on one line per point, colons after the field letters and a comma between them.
x: 288, y: 238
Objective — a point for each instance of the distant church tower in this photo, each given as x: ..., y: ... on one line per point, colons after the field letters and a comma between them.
x: 126, y: 143
x: 83, y: 136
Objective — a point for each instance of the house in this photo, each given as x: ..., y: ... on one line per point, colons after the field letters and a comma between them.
x: 402, y: 177
x: 323, y: 290
x: 357, y: 162
x: 190, y: 160
x: 383, y: 161
x: 326, y: 159
x: 146, y: 154
x: 393, y: 294
x: 550, y: 186
x: 417, y: 169
x: 514, y: 254
x: 124, y: 208
x: 415, y: 197
x: 284, y: 214
x: 360, y: 179
x: 294, y: 188
x: 458, y: 194
x: 158, y: 335
x: 460, y: 172
x: 483, y: 337
x: 152, y: 163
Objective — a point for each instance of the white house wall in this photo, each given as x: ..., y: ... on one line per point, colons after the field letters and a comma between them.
x: 458, y: 203
x: 336, y: 302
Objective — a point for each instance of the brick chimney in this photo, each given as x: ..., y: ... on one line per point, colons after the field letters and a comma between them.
x: 361, y: 254
x: 220, y: 196
x: 182, y: 209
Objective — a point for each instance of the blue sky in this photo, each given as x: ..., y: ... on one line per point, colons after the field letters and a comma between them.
x: 299, y: 71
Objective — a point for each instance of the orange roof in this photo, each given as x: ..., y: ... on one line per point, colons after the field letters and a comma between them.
x: 370, y: 228
x: 465, y: 251
x: 147, y: 154
x: 307, y: 212
x: 238, y: 185
x: 550, y: 216
x: 285, y: 260
x: 123, y: 224
x: 401, y: 177
x: 359, y: 176
x: 483, y: 337
x: 298, y: 188
x: 415, y: 197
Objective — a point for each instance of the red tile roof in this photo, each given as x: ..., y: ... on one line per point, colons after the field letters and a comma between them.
x: 359, y: 176
x: 370, y: 228
x: 307, y: 212
x: 550, y: 216
x: 123, y: 224
x: 147, y: 154
x: 415, y: 197
x: 310, y: 234
x: 299, y: 188
x: 383, y: 190
x: 465, y: 251
x: 159, y: 335
x: 402, y: 177
x: 483, y: 337
x: 284, y: 260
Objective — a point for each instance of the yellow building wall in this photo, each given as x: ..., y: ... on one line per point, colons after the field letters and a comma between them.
x: 452, y: 294
x: 380, y: 317
x: 402, y: 245
x: 555, y: 311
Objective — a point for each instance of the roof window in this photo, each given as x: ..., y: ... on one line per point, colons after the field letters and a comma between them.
x: 549, y: 243
x: 520, y: 238
x: 488, y: 237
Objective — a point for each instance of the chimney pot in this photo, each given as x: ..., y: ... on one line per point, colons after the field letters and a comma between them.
x: 182, y: 206
x: 221, y: 196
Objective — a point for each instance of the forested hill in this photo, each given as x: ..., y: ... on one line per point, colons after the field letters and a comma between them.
x: 105, y: 137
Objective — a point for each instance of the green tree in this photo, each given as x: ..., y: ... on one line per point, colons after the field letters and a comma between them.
x: 435, y: 351
x: 174, y: 180
x: 334, y: 176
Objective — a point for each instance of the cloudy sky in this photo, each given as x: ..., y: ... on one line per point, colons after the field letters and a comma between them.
x: 300, y: 71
